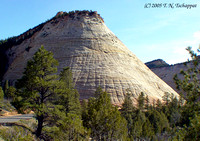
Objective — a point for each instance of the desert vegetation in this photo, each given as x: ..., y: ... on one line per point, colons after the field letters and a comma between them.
x: 60, y: 116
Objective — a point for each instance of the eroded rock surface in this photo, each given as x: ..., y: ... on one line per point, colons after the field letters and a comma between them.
x: 166, y: 72
x: 96, y: 56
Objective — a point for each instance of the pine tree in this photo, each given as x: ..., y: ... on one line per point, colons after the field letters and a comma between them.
x: 52, y: 98
x: 158, y: 105
x: 69, y: 127
x: 67, y: 77
x: 190, y: 86
x: 158, y: 120
x: 1, y: 94
x: 127, y: 112
x: 38, y: 86
x: 147, y: 130
x: 140, y: 101
x: 127, y: 106
x: 166, y: 98
x: 70, y: 97
x: 173, y: 111
x: 147, y: 103
x: 11, y: 92
x: 98, y: 92
x: 104, y: 120
x: 6, y: 87
x: 139, y: 119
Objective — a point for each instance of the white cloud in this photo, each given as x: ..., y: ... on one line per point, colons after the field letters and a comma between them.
x: 195, y: 41
x: 196, y: 35
x: 179, y: 53
x: 171, y: 51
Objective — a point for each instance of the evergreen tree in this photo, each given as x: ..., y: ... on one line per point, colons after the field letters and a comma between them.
x: 147, y: 130
x: 104, y: 120
x: 11, y: 92
x: 158, y: 120
x: 153, y: 104
x: 139, y: 126
x: 98, y: 92
x: 52, y: 98
x: 1, y: 94
x: 127, y: 112
x: 190, y: 133
x: 6, y: 87
x: 70, y: 128
x: 127, y: 106
x: 190, y: 86
x: 38, y: 86
x: 67, y: 77
x: 70, y: 97
x: 140, y: 101
x: 139, y: 119
x: 84, y: 112
x: 158, y: 105
x: 166, y: 98
x: 194, y: 128
x: 174, y: 111
x: 147, y: 103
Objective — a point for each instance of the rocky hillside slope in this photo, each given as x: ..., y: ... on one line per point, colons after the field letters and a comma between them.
x: 166, y: 72
x: 156, y: 64
x: 96, y: 56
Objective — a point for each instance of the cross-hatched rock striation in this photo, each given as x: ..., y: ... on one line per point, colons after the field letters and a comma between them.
x: 95, y: 55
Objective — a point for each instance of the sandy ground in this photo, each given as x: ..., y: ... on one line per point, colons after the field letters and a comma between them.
x: 6, y: 113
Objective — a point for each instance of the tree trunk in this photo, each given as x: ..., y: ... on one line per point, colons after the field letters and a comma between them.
x: 40, y: 126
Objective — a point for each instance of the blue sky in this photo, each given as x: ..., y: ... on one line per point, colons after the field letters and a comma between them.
x: 150, y: 33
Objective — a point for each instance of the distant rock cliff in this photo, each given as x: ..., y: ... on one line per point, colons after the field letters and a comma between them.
x: 166, y: 72
x: 96, y: 56
x: 156, y: 64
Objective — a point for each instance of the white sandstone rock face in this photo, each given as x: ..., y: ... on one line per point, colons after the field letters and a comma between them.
x: 94, y: 54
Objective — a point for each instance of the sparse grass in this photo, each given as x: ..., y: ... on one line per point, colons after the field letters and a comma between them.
x: 5, y: 105
x: 13, y: 133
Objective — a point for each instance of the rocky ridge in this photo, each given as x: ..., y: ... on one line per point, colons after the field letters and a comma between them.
x: 156, y: 64
x: 95, y: 55
x: 166, y: 72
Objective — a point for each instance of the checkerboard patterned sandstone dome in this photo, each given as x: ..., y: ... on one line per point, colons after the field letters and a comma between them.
x: 82, y: 41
